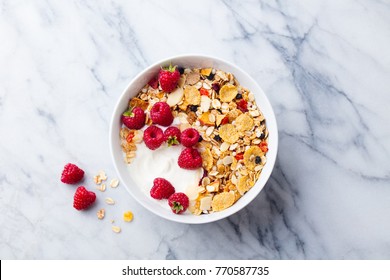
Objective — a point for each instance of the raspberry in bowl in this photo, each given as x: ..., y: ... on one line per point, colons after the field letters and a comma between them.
x: 209, y: 132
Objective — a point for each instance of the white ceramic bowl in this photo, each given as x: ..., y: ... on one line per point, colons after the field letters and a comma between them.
x: 199, y: 61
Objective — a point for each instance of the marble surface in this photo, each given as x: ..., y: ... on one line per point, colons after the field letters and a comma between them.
x: 325, y: 66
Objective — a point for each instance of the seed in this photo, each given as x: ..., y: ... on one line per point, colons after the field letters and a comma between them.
x: 239, y: 96
x: 193, y: 108
x: 257, y: 160
x: 217, y: 138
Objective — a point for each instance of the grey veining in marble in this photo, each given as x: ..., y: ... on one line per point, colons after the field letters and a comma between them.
x: 325, y: 66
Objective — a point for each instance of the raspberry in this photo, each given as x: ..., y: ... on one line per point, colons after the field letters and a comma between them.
x: 168, y: 78
x: 153, y: 137
x: 153, y: 83
x: 161, y: 114
x: 161, y: 189
x: 83, y: 199
x: 190, y: 159
x: 189, y: 137
x: 172, y: 136
x: 178, y: 202
x: 71, y: 174
x: 134, y: 118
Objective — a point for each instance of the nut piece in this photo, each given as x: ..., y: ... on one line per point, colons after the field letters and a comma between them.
x: 114, y: 183
x: 250, y: 156
x: 100, y: 214
x: 205, y: 119
x: 206, y: 71
x: 110, y: 201
x: 175, y: 97
x: 116, y: 229
x: 222, y: 201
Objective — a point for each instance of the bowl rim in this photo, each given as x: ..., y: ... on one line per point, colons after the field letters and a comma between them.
x: 214, y: 216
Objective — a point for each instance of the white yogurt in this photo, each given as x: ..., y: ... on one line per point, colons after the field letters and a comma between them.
x: 162, y: 162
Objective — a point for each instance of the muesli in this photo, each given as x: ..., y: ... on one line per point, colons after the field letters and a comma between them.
x: 232, y: 138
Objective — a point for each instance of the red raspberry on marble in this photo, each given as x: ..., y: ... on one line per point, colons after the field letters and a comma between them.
x: 168, y: 78
x: 71, y: 174
x: 153, y: 137
x: 161, y: 189
x: 178, y: 202
x: 83, y: 198
x: 190, y: 159
x: 189, y: 137
x: 134, y: 118
x: 172, y: 136
x: 161, y: 114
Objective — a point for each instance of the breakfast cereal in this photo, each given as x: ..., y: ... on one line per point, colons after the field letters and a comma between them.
x: 233, y: 134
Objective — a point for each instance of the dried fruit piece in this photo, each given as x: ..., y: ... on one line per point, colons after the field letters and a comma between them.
x: 250, y: 157
x: 192, y: 95
x: 110, y: 201
x: 242, y: 185
x: 206, y: 71
x: 205, y: 203
x: 227, y: 93
x: 263, y: 146
x: 116, y: 229
x: 244, y: 122
x: 222, y: 201
x: 128, y: 216
x: 228, y: 133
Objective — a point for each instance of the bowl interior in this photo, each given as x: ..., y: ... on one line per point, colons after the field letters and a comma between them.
x: 200, y: 62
